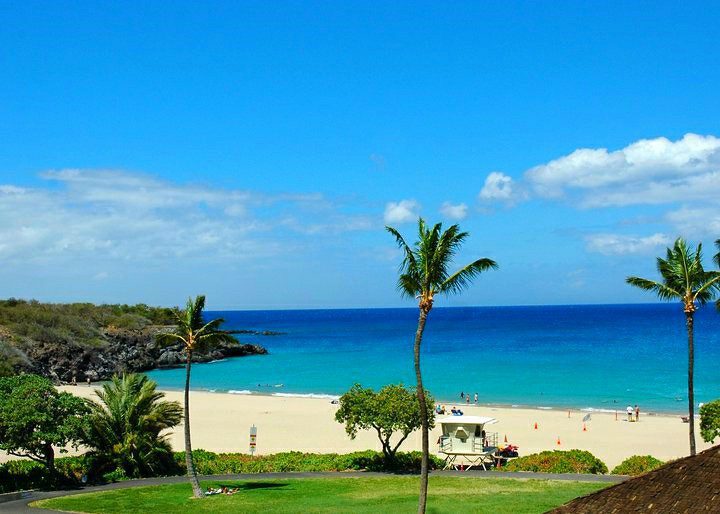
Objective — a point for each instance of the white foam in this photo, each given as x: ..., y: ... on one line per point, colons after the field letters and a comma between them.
x: 243, y: 391
x: 592, y: 409
x: 309, y: 395
x: 545, y: 408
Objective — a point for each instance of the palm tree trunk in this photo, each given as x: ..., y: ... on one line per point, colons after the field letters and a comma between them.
x: 691, y: 391
x: 197, y: 491
x: 422, y: 502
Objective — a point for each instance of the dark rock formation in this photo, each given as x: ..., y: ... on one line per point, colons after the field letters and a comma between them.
x: 121, y: 350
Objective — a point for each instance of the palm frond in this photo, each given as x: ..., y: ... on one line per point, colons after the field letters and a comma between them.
x: 425, y: 268
x: 462, y: 278
x: 663, y: 291
x: 709, y: 288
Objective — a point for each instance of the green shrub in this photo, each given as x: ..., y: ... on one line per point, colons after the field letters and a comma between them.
x: 208, y: 463
x: 557, y: 461
x: 18, y: 475
x: 116, y: 475
x: 637, y: 465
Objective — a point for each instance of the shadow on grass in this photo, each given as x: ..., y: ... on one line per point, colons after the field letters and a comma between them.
x: 249, y: 486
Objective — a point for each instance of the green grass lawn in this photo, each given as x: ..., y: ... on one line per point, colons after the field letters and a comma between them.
x: 370, y: 495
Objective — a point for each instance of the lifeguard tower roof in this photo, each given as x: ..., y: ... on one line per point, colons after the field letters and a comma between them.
x: 466, y: 420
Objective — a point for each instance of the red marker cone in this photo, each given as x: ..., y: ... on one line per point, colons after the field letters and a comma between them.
x: 536, y: 425
x: 558, y: 441
x: 506, y: 438
x: 584, y: 428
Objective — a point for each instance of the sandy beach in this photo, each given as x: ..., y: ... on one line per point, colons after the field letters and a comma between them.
x: 221, y: 423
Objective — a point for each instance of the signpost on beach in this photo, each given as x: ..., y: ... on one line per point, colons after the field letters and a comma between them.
x: 253, y: 439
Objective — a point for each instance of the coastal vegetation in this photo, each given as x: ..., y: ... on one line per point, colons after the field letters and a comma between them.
x: 424, y: 274
x: 392, y: 409
x: 710, y: 421
x: 685, y: 280
x: 558, y: 461
x: 35, y: 417
x: 637, y: 465
x: 330, y: 495
x: 24, y: 474
x: 195, y: 335
x: 124, y: 428
x: 84, y: 341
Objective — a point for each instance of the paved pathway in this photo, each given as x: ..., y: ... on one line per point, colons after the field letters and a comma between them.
x: 22, y: 504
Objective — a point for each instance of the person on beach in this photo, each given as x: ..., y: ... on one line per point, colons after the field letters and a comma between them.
x: 476, y: 398
x: 637, y: 413
x: 630, y: 412
x: 462, y: 395
x: 467, y: 399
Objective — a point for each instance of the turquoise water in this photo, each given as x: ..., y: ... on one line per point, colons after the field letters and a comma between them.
x: 599, y: 356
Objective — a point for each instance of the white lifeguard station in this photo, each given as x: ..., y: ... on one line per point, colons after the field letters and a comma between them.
x: 465, y: 438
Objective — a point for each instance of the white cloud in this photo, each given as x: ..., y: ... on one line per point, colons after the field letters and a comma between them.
x: 696, y: 221
x: 616, y: 244
x: 498, y: 186
x: 402, y: 211
x: 454, y: 211
x: 99, y: 215
x: 648, y: 171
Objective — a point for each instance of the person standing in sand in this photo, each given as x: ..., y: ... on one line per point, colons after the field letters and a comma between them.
x: 476, y: 398
x: 629, y: 412
x: 637, y: 413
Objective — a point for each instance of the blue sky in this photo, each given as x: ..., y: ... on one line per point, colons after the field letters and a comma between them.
x: 253, y: 151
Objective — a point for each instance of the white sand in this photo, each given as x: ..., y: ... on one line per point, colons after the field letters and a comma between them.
x: 220, y: 422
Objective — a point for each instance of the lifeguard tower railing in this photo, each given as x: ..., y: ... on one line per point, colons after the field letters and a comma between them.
x: 478, y: 445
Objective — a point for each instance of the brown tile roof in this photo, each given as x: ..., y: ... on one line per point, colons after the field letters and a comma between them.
x: 687, y: 485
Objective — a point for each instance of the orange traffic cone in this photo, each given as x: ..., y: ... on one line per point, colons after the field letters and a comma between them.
x: 558, y: 441
x: 536, y: 425
x: 584, y: 428
x: 506, y: 438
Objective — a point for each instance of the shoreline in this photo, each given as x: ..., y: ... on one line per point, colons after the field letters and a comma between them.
x: 448, y: 403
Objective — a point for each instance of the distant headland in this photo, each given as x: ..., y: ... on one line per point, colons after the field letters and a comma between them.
x: 77, y: 341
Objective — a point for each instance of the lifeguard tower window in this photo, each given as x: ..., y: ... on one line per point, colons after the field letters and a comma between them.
x: 461, y: 434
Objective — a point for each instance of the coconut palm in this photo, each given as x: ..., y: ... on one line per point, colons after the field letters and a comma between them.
x: 717, y: 263
x: 423, y: 275
x: 195, y: 335
x: 685, y: 280
x: 123, y: 429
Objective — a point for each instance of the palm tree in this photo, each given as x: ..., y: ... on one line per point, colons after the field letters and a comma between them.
x: 717, y: 263
x: 424, y: 274
x: 684, y: 280
x: 123, y: 428
x: 195, y: 335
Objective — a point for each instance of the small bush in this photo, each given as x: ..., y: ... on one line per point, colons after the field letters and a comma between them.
x: 557, y: 461
x: 18, y: 475
x: 637, y: 465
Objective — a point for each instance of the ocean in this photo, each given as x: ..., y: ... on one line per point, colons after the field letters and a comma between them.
x: 581, y: 356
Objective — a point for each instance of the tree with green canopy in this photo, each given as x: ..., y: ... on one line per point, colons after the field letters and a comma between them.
x: 390, y: 410
x: 34, y: 417
x: 195, y: 334
x: 684, y: 279
x: 424, y: 274
x: 124, y: 427
x: 710, y: 421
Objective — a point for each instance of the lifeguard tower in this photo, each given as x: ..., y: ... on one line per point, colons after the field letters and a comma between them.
x: 464, y: 437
